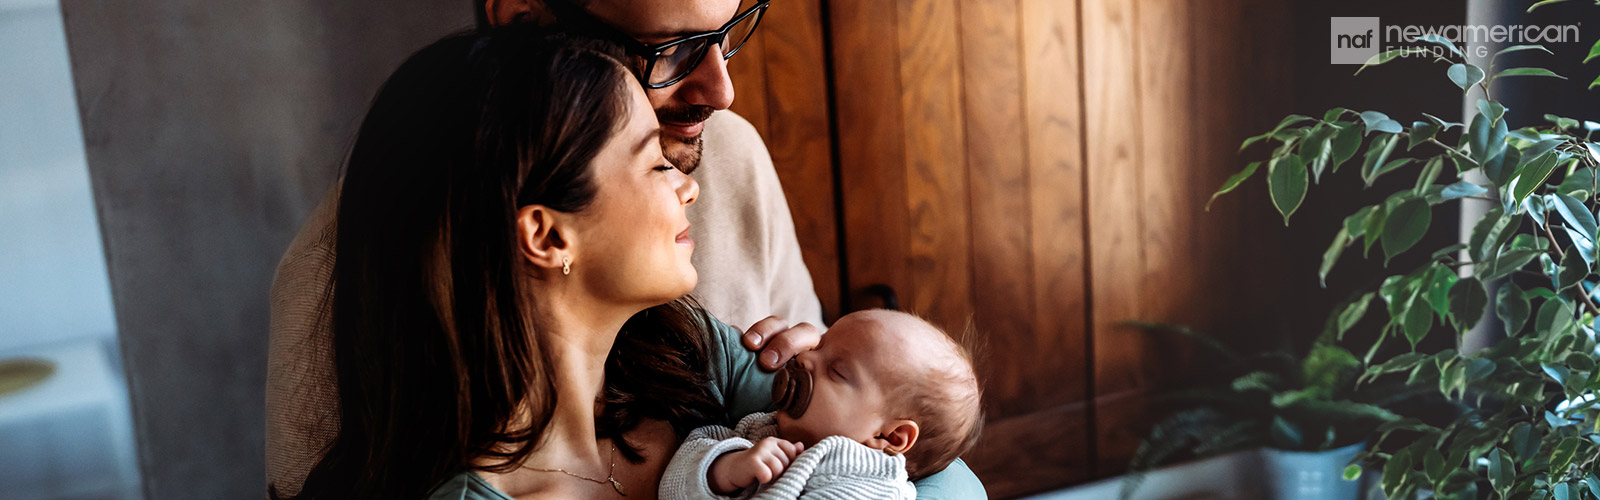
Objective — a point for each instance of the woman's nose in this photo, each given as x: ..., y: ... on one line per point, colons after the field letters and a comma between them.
x: 688, y: 190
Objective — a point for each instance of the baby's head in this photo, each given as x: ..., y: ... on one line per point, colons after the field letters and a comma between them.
x: 888, y: 380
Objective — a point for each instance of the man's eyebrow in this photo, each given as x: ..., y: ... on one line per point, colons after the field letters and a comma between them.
x: 654, y: 135
x: 666, y: 36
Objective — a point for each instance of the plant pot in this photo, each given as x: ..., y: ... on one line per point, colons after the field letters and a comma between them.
x: 1311, y: 475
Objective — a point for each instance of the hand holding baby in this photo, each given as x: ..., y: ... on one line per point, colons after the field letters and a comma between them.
x: 756, y: 465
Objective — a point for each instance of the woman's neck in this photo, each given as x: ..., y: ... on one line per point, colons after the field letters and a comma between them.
x: 577, y: 336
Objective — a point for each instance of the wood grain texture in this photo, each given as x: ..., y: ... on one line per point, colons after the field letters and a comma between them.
x: 936, y: 175
x: 748, y: 71
x: 798, y: 135
x: 1002, y: 260
x: 1032, y: 453
x: 1053, y: 109
x: 1115, y: 159
x: 871, y: 131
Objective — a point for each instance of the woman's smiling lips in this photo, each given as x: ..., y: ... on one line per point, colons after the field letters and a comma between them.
x: 683, y: 237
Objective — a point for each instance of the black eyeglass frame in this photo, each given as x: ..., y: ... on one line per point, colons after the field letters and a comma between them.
x: 651, y: 53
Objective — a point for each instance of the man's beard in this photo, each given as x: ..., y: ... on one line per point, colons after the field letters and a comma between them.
x: 686, y: 159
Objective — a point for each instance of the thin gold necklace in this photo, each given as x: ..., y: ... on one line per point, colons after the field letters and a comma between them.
x: 610, y: 475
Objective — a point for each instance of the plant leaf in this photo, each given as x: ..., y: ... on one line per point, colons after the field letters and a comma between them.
x: 1491, y: 232
x: 1379, y: 122
x: 1352, y: 472
x: 1420, y: 132
x: 1437, y: 290
x: 1528, y: 72
x: 1286, y: 181
x: 1435, y: 39
x: 1576, y: 214
x: 1494, y: 110
x: 1465, y: 75
x: 1578, y: 184
x: 1467, y: 303
x: 1416, y: 319
x: 1532, y: 176
x: 1486, y: 137
x: 1516, y: 48
x: 1462, y: 189
x: 1345, y: 143
x: 1572, y: 270
x: 1405, y: 227
x: 1430, y: 173
x: 1543, y: 3
x: 1233, y: 182
x: 1512, y: 308
x: 1391, y: 166
x: 1377, y: 154
x: 1563, y: 454
x: 1352, y: 314
x: 1331, y: 255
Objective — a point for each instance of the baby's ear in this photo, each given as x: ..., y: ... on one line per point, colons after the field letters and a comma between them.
x: 897, y: 437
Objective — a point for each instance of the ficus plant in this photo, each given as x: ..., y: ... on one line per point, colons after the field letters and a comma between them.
x: 1530, y: 425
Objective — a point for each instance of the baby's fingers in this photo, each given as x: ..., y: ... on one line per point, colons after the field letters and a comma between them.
x: 791, y: 448
x: 771, y: 467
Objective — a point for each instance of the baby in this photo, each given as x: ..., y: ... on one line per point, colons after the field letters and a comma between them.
x: 885, y: 398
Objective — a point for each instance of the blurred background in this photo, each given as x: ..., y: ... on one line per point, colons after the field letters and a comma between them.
x: 1034, y: 168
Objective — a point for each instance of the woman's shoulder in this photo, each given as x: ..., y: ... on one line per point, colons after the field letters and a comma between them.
x: 466, y: 486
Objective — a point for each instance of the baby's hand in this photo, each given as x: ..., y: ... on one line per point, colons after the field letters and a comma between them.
x: 760, y: 464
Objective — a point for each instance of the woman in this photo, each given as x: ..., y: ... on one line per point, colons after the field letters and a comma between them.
x: 512, y: 249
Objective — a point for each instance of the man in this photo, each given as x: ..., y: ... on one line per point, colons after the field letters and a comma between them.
x: 746, y: 254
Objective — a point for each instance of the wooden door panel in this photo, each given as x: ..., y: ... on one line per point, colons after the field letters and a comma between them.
x: 946, y: 198
x: 938, y: 203
x: 781, y: 86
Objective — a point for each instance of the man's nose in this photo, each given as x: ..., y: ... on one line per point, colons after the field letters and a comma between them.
x: 709, y: 84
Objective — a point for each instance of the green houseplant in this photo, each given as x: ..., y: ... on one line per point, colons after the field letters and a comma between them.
x: 1300, y: 406
x: 1530, y: 429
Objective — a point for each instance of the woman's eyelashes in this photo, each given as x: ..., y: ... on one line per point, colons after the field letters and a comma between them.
x: 665, y: 167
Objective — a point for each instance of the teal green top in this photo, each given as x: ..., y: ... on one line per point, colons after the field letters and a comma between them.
x: 743, y: 389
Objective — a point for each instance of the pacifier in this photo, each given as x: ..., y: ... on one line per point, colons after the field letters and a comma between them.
x: 791, y: 389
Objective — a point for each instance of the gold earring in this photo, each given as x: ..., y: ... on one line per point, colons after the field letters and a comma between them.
x: 566, y: 265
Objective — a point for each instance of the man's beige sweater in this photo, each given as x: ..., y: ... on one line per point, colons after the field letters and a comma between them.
x: 746, y: 253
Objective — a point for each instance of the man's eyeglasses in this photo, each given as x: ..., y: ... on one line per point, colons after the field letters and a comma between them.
x: 669, y: 62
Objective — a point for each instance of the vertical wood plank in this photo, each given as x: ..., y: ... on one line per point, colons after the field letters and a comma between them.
x: 1002, y: 260
x: 935, y: 153
x: 796, y: 95
x: 872, y: 176
x: 1111, y: 111
x: 748, y: 70
x: 1115, y: 160
x: 1053, y: 105
x: 1171, y: 243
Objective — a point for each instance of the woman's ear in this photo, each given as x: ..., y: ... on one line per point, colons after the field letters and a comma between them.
x: 897, y: 437
x: 504, y: 12
x: 541, y: 237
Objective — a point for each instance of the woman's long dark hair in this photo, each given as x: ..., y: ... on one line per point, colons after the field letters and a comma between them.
x: 437, y: 361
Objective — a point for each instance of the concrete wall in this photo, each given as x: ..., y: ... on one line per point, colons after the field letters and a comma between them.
x: 212, y: 128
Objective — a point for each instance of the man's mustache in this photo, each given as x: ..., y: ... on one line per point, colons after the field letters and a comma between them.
x: 687, y: 115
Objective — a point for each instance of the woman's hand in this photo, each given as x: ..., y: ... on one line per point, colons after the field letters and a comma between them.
x: 757, y: 465
x: 778, y: 342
